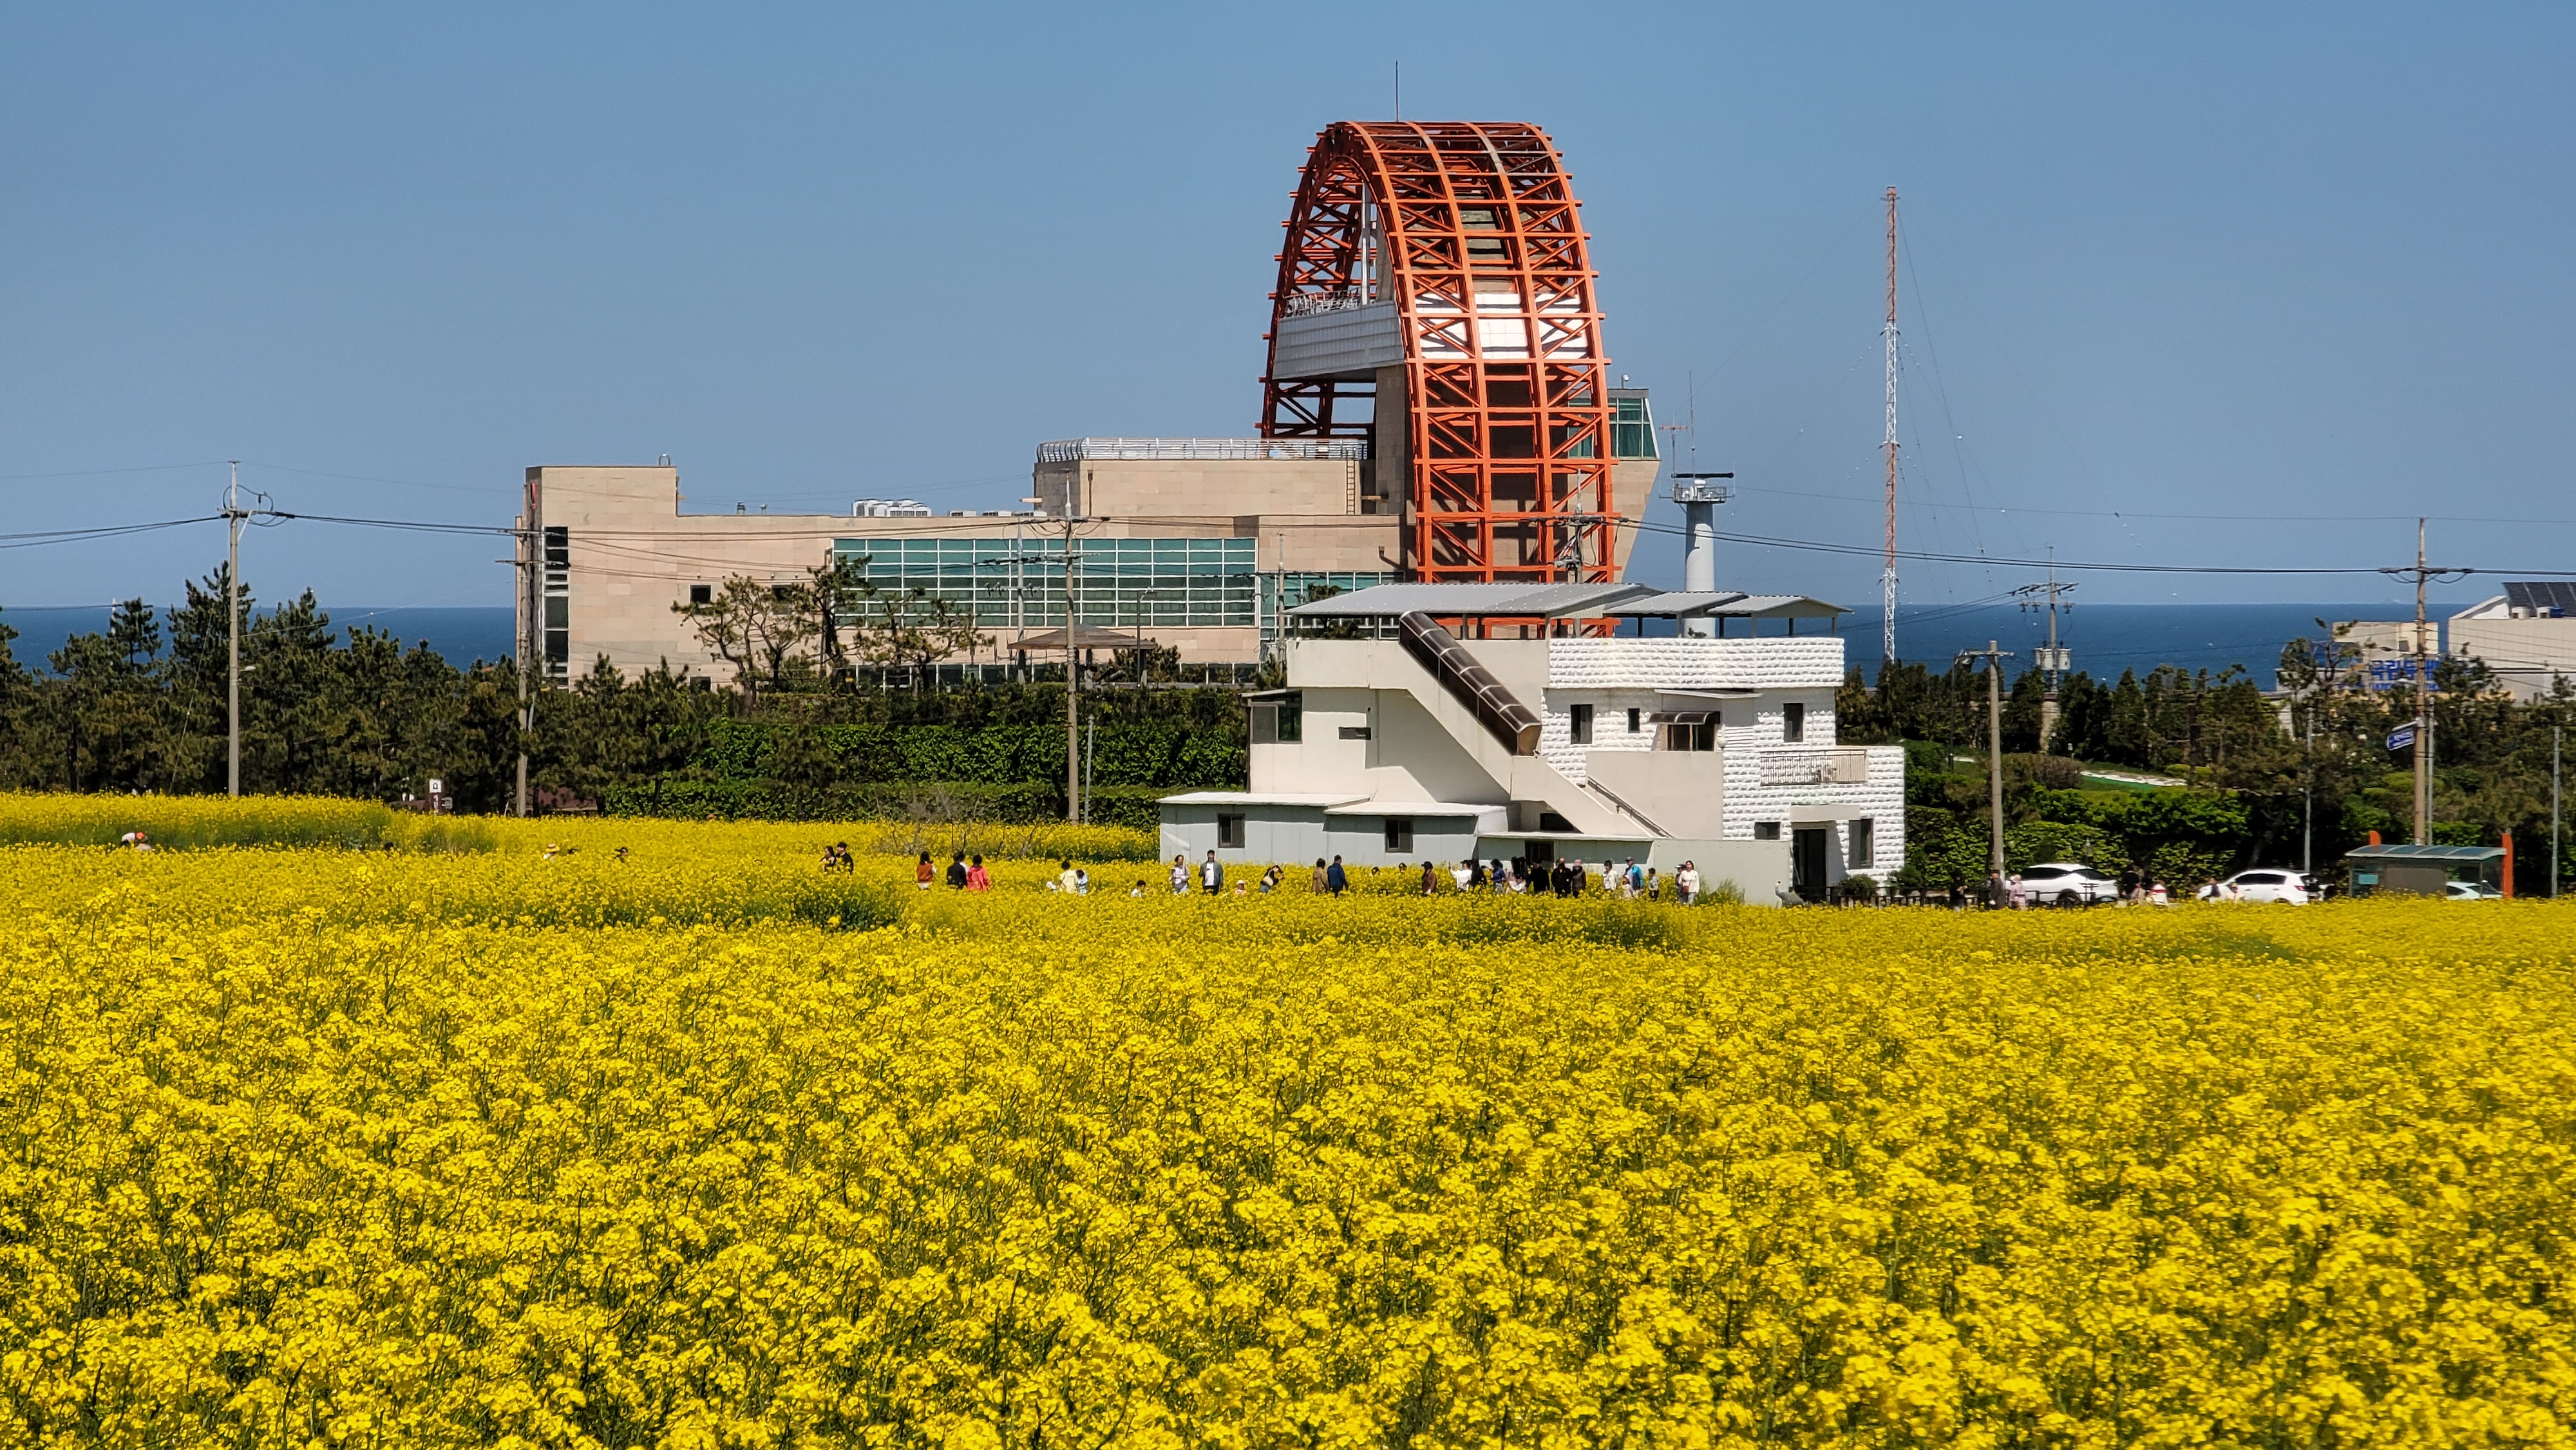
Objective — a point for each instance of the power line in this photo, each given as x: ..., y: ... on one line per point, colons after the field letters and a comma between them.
x: 74, y: 536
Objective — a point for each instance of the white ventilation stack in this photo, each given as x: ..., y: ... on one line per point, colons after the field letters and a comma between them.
x: 1699, y: 494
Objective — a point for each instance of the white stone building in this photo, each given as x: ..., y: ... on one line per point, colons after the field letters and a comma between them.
x: 1439, y: 721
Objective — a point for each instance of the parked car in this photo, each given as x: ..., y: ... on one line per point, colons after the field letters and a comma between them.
x: 2066, y: 883
x: 2471, y: 891
x: 2271, y: 884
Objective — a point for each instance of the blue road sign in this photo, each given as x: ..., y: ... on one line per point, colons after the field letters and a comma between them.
x: 2401, y: 737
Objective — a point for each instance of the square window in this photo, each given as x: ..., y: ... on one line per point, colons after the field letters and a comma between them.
x: 1229, y: 833
x: 1581, y: 716
x: 1793, y: 723
x: 702, y: 594
x: 1766, y: 830
x: 1399, y: 835
x: 1279, y: 721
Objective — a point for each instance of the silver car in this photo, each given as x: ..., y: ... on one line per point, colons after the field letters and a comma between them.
x: 2066, y: 883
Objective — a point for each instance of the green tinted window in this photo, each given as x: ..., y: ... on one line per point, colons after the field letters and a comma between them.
x: 1632, y: 429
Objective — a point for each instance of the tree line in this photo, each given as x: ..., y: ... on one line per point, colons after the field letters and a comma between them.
x: 140, y: 706
x: 2268, y: 757
x: 801, y: 731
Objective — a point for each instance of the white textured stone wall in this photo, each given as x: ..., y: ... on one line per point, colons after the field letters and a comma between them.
x: 1772, y: 662
x: 1881, y: 799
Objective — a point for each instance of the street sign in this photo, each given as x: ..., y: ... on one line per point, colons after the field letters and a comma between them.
x: 2401, y: 737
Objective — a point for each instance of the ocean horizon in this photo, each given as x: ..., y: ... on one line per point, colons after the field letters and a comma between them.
x: 2101, y: 639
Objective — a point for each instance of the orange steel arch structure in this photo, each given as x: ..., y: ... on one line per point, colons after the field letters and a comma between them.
x: 1469, y: 232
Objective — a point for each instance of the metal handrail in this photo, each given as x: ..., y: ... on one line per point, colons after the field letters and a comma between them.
x: 1074, y: 450
x: 1497, y: 709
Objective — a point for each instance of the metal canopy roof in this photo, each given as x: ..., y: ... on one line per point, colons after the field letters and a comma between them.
x: 1250, y: 798
x: 1401, y: 809
x: 2425, y: 853
x: 1726, y: 603
x: 1086, y: 636
x: 1522, y: 601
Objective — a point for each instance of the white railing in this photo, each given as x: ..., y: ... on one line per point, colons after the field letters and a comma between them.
x: 1839, y: 765
x: 1307, y: 304
x: 1071, y: 450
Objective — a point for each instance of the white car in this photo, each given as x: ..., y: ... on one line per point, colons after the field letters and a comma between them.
x: 2470, y: 891
x: 2269, y: 884
x: 2066, y: 883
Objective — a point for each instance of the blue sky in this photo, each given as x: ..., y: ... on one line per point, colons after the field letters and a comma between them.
x: 2264, y: 281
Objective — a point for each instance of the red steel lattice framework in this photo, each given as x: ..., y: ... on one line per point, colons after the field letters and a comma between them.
x: 1471, y: 231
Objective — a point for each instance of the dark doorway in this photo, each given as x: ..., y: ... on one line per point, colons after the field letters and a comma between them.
x: 1807, y: 861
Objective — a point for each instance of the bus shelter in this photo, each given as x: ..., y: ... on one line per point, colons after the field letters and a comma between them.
x: 2422, y: 870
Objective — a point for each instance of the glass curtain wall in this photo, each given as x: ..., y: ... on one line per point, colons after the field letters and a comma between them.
x: 1118, y: 583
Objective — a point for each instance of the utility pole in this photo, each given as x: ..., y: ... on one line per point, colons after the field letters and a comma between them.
x: 2308, y: 808
x: 1072, y: 682
x: 2053, y: 659
x: 1887, y: 578
x: 1994, y: 659
x: 2553, y: 810
x: 2421, y: 574
x: 232, y: 633
x: 2423, y: 709
x: 531, y: 603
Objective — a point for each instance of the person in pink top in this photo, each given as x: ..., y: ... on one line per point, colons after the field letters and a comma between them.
x: 976, y: 879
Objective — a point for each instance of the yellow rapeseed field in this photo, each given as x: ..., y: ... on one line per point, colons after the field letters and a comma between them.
x: 707, y: 1147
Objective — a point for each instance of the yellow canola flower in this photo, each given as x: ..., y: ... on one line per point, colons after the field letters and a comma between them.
x: 331, y: 1146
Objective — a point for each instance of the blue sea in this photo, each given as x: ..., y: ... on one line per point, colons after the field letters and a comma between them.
x: 462, y: 635
x: 2103, y: 639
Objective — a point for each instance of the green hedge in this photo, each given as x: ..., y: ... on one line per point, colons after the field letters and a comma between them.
x: 1167, y: 757
x: 769, y: 800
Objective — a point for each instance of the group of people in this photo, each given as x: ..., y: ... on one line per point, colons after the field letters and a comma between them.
x: 1332, y: 877
x: 963, y: 874
x: 1499, y: 877
x: 2136, y: 888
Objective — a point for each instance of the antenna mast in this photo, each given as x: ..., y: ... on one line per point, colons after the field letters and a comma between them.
x: 1887, y: 579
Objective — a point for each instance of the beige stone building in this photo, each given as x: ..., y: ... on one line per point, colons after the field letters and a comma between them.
x: 1196, y: 544
x: 2527, y: 635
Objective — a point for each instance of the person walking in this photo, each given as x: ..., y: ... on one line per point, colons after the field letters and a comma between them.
x: 957, y: 871
x: 1315, y: 882
x: 1686, y: 881
x: 976, y: 879
x: 1180, y: 874
x: 1430, y: 881
x: 1211, y: 875
x: 1337, y: 880
x: 925, y: 875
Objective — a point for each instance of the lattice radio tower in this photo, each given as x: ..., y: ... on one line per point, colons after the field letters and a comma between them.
x: 1887, y: 578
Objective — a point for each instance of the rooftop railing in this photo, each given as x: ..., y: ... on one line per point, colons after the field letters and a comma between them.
x: 1074, y: 450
